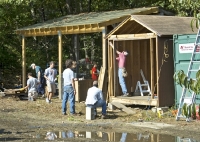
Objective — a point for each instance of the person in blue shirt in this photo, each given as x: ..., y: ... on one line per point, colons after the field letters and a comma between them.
x: 40, y: 78
x: 32, y: 87
x: 50, y: 76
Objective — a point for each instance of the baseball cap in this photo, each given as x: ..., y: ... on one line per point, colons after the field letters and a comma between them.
x: 32, y: 65
x: 126, y: 53
x: 95, y: 82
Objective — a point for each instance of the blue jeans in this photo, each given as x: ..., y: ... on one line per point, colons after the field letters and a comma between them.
x: 99, y: 103
x: 68, y: 94
x: 122, y: 81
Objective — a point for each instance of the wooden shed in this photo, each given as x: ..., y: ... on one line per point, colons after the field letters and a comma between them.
x: 78, y: 24
x: 149, y: 41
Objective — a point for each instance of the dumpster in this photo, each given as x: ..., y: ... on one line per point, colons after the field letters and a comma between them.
x: 183, y: 48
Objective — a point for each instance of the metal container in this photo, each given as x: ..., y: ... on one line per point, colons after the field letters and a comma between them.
x: 183, y: 48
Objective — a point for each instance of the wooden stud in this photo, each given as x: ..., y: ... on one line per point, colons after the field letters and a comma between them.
x: 104, y: 50
x: 114, y: 70
x: 157, y: 71
x: 23, y: 61
x: 152, y: 66
x: 60, y: 64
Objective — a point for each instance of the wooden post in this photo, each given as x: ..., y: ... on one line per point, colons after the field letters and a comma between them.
x: 76, y: 47
x: 60, y: 84
x: 152, y: 67
x: 115, y: 71
x: 157, y: 72
x: 104, y: 45
x: 23, y: 61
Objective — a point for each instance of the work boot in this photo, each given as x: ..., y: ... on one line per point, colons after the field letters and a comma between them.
x: 103, y: 116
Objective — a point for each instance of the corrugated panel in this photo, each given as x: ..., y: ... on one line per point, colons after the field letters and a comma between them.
x: 182, y: 58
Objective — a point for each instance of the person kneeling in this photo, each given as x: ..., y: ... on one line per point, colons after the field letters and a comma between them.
x: 94, y: 99
x: 32, y: 87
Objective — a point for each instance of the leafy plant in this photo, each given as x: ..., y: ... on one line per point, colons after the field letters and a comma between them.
x: 190, y: 84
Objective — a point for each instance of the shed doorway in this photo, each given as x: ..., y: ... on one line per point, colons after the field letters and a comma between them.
x: 141, y: 55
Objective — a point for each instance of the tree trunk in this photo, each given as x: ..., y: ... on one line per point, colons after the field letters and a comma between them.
x: 68, y: 6
x: 89, y: 5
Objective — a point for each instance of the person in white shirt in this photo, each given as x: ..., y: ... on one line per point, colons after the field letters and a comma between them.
x: 95, y: 99
x: 69, y: 88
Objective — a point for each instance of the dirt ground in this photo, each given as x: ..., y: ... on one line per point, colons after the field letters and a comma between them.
x: 22, y: 117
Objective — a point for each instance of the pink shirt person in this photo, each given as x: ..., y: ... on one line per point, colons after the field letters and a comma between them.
x: 121, y: 60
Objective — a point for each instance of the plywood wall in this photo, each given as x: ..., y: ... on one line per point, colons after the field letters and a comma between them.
x: 166, y: 83
x: 138, y: 58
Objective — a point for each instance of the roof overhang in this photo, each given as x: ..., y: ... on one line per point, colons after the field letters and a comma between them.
x: 76, y: 26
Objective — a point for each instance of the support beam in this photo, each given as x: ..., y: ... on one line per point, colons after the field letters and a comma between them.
x: 115, y: 71
x: 132, y: 36
x: 152, y: 67
x: 104, y: 50
x: 23, y: 62
x: 60, y: 84
x: 157, y: 72
x: 76, y: 48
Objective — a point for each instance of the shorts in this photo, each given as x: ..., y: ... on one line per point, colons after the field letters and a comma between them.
x: 51, y: 87
x: 32, y: 95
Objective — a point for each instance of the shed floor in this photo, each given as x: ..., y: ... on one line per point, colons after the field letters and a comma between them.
x: 135, y: 100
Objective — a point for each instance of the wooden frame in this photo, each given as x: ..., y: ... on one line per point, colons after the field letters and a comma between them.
x: 141, y: 100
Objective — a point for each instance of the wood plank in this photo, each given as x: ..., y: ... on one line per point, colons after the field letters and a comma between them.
x: 104, y: 45
x: 60, y: 88
x: 29, y: 33
x: 132, y: 36
x: 146, y: 62
x: 123, y: 107
x: 157, y: 70
x: 101, y: 78
x: 115, y: 87
x: 23, y: 61
x: 136, y: 100
x: 152, y: 66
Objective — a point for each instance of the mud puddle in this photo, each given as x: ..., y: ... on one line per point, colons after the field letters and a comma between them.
x: 69, y: 135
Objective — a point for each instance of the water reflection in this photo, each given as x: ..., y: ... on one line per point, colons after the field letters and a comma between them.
x: 114, y: 136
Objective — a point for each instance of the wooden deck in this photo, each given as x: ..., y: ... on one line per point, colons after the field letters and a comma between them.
x: 135, y: 100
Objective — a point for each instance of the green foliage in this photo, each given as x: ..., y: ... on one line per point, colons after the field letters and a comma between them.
x: 189, y: 110
x: 192, y: 85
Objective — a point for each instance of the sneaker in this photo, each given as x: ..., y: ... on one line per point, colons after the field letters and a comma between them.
x: 43, y: 96
x: 50, y: 101
x: 64, y: 113
x: 47, y: 100
x: 103, y: 116
x: 126, y: 95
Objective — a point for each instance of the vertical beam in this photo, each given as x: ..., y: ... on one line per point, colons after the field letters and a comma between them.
x: 23, y: 61
x: 104, y: 45
x: 60, y: 84
x: 76, y: 47
x: 115, y: 70
x: 157, y: 71
x: 152, y: 66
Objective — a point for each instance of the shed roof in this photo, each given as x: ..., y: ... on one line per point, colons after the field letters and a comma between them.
x: 160, y: 25
x: 82, y: 23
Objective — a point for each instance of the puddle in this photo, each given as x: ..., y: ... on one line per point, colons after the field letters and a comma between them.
x: 109, y: 136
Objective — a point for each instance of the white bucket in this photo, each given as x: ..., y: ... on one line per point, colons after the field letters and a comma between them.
x: 89, y: 113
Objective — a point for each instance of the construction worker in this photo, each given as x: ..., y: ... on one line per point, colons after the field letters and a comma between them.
x: 40, y: 77
x: 121, y: 66
x: 32, y: 87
